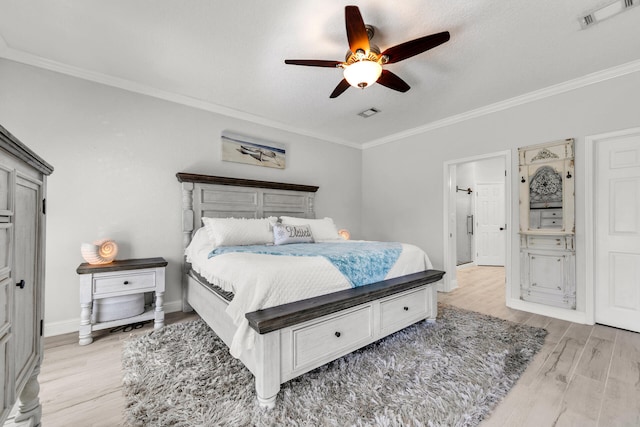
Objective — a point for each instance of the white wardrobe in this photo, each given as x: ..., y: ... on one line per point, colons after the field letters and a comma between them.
x: 23, y: 177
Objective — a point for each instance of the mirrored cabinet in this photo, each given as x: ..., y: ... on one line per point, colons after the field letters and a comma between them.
x: 547, y: 225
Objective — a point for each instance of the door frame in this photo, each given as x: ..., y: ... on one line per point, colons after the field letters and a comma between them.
x: 449, y: 218
x: 590, y: 217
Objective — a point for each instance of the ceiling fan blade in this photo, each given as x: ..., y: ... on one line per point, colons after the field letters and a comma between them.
x: 356, y: 31
x: 413, y: 47
x: 390, y: 80
x: 342, y: 86
x: 313, y: 62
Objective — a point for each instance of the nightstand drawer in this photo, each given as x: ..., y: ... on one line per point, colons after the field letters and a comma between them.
x: 118, y: 282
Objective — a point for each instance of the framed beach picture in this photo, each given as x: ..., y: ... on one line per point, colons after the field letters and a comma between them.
x: 252, y: 151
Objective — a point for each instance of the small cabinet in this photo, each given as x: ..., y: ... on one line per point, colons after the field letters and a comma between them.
x: 105, y: 285
x: 548, y: 271
x: 547, y: 224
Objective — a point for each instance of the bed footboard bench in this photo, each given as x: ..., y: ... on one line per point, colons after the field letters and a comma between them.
x: 298, y: 337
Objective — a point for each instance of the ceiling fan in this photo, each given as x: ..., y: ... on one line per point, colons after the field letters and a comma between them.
x: 363, y: 64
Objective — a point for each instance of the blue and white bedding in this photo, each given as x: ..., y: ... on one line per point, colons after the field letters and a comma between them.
x: 362, y: 263
x: 262, y: 276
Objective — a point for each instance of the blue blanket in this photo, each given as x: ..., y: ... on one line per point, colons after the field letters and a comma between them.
x: 361, y: 263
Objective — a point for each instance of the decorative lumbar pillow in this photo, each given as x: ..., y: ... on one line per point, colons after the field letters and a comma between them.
x: 284, y: 234
x: 322, y: 229
x: 239, y: 231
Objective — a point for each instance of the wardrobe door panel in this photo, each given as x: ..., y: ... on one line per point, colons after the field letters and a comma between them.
x: 5, y: 249
x: 6, y: 393
x: 26, y: 295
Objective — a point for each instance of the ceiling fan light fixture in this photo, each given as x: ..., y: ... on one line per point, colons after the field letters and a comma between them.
x: 363, y: 62
x: 362, y: 73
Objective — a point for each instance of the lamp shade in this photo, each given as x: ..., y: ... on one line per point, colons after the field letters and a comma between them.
x: 362, y: 73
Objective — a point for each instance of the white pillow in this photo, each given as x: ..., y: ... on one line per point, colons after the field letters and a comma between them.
x: 239, y: 231
x: 322, y: 229
x: 199, y: 242
x: 283, y: 234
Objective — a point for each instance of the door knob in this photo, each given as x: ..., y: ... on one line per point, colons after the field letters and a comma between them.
x: 20, y: 284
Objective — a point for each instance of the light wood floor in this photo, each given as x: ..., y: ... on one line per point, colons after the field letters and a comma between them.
x: 583, y: 376
x: 81, y: 385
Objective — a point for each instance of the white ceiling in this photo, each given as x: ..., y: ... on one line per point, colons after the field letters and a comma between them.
x: 228, y: 56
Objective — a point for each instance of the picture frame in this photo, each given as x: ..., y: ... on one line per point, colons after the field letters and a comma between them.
x: 252, y: 151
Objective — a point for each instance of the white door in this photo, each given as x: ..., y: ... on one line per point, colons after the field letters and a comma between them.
x: 617, y: 240
x: 491, y: 234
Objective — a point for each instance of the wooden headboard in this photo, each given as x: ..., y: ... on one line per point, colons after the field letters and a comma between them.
x: 221, y: 197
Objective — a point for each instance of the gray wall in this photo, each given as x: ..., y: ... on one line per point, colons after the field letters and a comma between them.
x: 403, y: 181
x: 116, y: 154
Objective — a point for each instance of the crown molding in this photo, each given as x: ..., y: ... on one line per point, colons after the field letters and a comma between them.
x: 580, y: 82
x: 131, y: 86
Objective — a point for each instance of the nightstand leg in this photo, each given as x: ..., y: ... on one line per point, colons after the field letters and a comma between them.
x: 159, y: 313
x: 85, y: 324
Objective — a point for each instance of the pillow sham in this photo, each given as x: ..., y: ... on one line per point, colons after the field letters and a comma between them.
x: 283, y: 234
x: 322, y: 229
x: 199, y: 242
x: 239, y: 231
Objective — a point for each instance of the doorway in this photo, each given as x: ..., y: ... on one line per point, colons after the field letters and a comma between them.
x: 476, y: 201
x: 465, y: 209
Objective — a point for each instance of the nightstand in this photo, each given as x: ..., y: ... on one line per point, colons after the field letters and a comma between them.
x: 117, y: 279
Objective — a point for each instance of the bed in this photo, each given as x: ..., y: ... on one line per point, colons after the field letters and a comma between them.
x: 286, y: 340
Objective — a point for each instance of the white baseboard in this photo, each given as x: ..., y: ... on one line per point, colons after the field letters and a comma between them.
x: 443, y: 286
x: 71, y: 325
x: 61, y: 327
x: 466, y: 265
x: 549, y: 311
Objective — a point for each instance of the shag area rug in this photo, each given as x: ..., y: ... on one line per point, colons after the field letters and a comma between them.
x: 449, y: 373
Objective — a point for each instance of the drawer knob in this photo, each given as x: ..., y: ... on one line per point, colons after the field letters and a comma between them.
x: 338, y: 334
x: 126, y: 282
x: 406, y: 308
x: 20, y: 284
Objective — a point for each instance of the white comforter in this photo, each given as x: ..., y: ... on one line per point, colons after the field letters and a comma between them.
x: 261, y: 281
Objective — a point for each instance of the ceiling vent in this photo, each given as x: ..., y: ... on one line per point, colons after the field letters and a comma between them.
x: 606, y: 12
x: 368, y: 113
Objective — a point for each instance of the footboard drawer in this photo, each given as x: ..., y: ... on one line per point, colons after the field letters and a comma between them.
x: 403, y: 310
x: 322, y: 341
